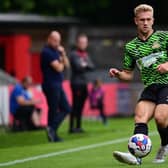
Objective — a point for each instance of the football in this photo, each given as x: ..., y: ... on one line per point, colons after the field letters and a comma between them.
x: 139, y: 145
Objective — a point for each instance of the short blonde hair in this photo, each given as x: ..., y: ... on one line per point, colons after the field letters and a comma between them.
x: 143, y: 8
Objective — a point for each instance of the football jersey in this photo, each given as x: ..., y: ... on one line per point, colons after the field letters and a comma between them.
x: 147, y: 55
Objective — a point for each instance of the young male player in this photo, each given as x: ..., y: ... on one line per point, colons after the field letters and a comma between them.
x: 149, y: 51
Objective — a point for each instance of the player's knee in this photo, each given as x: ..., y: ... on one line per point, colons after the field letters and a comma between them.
x: 160, y: 120
x: 139, y: 118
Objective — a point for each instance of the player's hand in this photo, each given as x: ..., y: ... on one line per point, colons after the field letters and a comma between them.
x: 83, y: 63
x: 163, y: 68
x: 113, y: 72
x: 37, y: 101
x: 61, y: 49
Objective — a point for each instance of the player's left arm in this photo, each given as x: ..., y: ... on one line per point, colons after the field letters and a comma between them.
x: 64, y: 59
x: 163, y: 68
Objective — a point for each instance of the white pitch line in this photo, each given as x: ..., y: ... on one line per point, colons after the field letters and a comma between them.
x: 14, y: 162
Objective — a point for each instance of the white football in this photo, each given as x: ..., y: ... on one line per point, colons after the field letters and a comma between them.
x: 139, y: 145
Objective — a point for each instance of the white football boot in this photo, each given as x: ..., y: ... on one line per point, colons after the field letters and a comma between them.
x: 161, y: 154
x: 127, y: 158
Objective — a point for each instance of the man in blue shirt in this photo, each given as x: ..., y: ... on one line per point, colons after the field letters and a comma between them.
x: 53, y: 63
x: 22, y: 105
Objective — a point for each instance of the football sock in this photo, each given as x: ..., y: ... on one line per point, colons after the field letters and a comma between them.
x: 163, y: 132
x: 141, y: 128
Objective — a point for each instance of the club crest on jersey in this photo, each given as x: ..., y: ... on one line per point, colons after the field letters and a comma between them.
x: 156, y: 45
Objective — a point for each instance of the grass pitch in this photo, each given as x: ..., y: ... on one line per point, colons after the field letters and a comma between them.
x: 19, y: 146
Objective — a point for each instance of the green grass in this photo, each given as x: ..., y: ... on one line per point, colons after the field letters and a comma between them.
x: 15, y: 146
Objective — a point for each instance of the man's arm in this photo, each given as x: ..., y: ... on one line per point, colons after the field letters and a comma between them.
x: 163, y: 68
x: 128, y: 66
x: 64, y: 58
x: 21, y: 101
x: 90, y: 65
x: 66, y: 61
x: 124, y: 75
x: 57, y: 65
x: 76, y: 63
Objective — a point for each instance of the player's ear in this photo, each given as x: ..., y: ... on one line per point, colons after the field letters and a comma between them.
x: 153, y: 20
x: 135, y: 20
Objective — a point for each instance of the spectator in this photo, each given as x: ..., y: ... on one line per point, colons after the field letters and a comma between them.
x: 23, y: 106
x: 53, y: 63
x: 81, y: 64
x: 96, y: 99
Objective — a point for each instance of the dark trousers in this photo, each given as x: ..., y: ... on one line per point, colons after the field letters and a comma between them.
x: 100, y: 107
x: 79, y: 95
x: 58, y: 106
x: 23, y: 115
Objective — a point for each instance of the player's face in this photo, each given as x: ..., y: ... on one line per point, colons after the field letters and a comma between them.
x: 82, y: 43
x: 55, y: 41
x: 28, y: 83
x: 144, y: 22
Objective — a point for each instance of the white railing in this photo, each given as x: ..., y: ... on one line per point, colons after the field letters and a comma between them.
x: 4, y: 105
x: 5, y: 78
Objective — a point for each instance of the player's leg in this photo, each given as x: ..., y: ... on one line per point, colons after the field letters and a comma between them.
x: 81, y: 103
x: 64, y: 107
x: 74, y: 109
x: 143, y: 113
x: 102, y: 113
x: 52, y: 95
x: 23, y: 114
x: 161, y: 118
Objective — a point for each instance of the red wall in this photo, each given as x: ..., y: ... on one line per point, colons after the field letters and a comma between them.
x: 110, y: 100
x: 35, y: 68
x: 17, y: 54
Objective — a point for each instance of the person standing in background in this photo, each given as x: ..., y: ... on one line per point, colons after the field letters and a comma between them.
x: 81, y: 64
x: 96, y: 99
x: 53, y: 63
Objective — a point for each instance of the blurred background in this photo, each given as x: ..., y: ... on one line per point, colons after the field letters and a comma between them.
x: 24, y: 26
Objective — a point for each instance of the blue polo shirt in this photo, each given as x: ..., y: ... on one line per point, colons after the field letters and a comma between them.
x: 16, y: 92
x: 50, y: 76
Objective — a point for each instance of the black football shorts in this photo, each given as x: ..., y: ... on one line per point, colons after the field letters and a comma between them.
x: 157, y: 93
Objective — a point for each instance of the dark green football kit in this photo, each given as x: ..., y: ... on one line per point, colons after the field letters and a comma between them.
x: 147, y: 55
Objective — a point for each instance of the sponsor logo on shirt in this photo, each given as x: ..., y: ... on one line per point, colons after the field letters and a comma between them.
x: 147, y: 61
x: 156, y: 45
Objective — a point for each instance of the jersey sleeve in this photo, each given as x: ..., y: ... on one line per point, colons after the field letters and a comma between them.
x: 129, y: 62
x: 164, y: 35
x: 17, y: 92
x: 52, y: 57
x: 166, y: 40
x: 49, y: 56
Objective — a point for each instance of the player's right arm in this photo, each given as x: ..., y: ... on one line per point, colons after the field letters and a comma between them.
x: 18, y: 94
x: 124, y: 75
x: 64, y: 59
x: 57, y: 65
x: 128, y: 66
x: 21, y: 101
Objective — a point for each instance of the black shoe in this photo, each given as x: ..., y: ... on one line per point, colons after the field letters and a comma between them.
x: 58, y: 139
x: 105, y: 122
x: 72, y: 130
x: 52, y: 137
x: 79, y: 130
x: 76, y: 131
